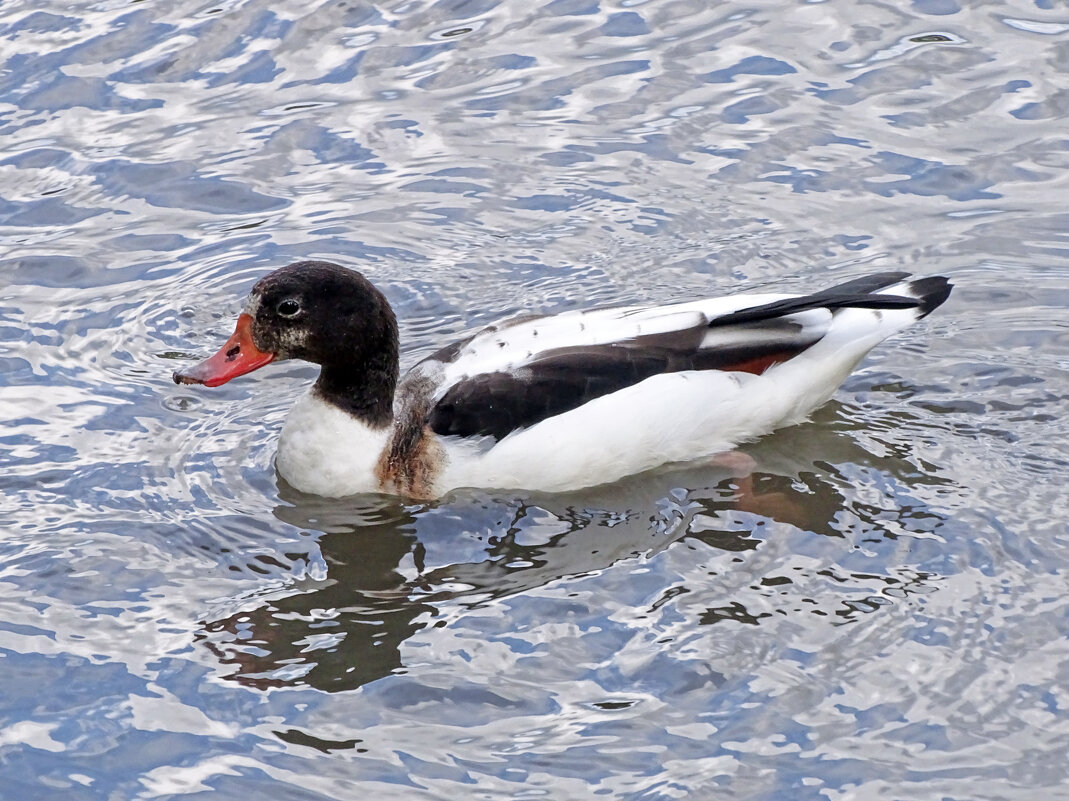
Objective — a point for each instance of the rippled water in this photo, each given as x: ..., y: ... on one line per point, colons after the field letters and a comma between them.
x: 877, y: 610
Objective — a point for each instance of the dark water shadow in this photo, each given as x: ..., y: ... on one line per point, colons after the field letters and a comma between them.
x: 394, y: 568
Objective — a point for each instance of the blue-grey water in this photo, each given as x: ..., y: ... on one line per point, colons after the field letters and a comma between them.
x: 877, y: 610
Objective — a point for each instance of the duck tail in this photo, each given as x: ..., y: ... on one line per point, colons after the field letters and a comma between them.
x: 929, y: 292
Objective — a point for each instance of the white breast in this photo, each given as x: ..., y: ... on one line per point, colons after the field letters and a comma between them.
x: 326, y: 451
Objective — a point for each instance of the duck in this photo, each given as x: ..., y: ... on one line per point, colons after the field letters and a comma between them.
x: 547, y: 403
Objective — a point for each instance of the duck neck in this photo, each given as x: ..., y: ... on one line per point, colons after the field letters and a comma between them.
x: 364, y: 390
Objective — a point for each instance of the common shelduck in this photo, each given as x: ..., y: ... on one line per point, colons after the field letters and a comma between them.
x: 547, y: 403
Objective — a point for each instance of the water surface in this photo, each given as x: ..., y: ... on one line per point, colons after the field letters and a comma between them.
x: 877, y: 609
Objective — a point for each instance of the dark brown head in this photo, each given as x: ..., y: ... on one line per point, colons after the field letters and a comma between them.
x: 321, y: 313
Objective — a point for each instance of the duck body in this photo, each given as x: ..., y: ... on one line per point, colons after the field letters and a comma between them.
x: 548, y: 403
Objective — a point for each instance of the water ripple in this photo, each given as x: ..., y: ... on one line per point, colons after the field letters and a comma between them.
x: 872, y: 605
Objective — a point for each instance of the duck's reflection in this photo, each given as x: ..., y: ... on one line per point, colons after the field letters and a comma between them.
x: 341, y: 632
x: 393, y: 566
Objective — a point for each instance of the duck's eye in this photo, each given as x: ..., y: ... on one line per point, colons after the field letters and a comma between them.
x: 288, y: 308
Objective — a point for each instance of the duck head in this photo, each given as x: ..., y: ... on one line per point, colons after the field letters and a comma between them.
x: 319, y: 312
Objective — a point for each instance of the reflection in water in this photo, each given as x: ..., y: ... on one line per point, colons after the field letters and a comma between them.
x: 395, y: 568
x: 364, y: 607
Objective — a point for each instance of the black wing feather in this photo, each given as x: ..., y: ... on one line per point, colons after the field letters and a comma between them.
x: 856, y: 294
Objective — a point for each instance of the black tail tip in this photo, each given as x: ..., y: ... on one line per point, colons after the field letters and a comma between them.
x: 931, y: 292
